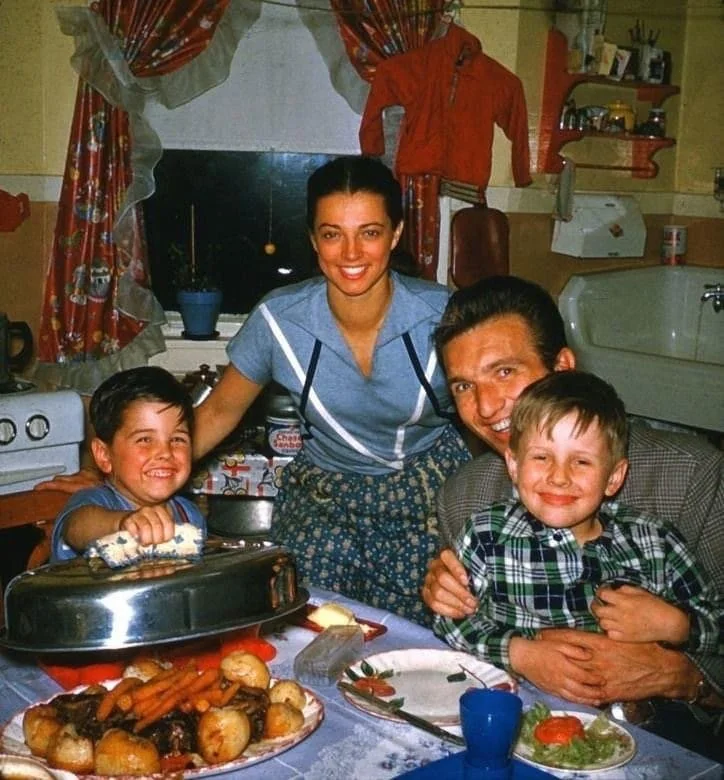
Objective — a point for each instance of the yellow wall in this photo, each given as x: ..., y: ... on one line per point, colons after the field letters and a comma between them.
x: 37, y: 94
x: 37, y: 88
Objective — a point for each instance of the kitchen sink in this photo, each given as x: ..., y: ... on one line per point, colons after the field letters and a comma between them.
x: 649, y: 332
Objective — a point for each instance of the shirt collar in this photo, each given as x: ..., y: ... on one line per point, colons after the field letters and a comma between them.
x: 407, y: 309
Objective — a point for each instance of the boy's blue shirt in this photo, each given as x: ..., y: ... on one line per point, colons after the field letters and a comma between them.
x: 108, y: 497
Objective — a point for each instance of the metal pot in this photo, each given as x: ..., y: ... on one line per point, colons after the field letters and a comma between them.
x: 239, y: 516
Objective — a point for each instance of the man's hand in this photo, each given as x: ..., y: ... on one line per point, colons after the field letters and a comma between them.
x: 149, y: 524
x: 631, y: 670
x: 559, y: 666
x: 631, y: 614
x: 71, y: 483
x: 445, y: 589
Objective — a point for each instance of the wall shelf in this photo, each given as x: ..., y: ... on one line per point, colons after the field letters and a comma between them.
x: 557, y: 87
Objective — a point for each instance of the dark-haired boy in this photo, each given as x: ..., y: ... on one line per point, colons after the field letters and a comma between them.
x: 142, y: 419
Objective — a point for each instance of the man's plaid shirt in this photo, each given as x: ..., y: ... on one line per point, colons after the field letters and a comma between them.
x: 528, y: 576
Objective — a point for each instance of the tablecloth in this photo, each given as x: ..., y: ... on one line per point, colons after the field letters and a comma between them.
x: 353, y: 745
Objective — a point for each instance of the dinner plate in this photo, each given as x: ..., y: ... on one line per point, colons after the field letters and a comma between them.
x: 13, y: 743
x: 624, y: 753
x: 420, y: 678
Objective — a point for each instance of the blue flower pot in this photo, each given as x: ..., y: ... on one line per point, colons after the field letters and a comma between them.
x: 199, y: 312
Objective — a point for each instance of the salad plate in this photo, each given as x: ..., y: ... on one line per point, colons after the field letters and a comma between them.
x: 426, y: 682
x: 624, y: 747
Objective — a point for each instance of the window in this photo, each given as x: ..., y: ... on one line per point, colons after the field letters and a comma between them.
x: 242, y: 202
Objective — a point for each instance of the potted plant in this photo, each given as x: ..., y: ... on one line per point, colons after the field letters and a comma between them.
x: 198, y: 294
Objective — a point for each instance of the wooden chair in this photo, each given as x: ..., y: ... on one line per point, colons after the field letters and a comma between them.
x: 478, y: 245
x: 37, y: 508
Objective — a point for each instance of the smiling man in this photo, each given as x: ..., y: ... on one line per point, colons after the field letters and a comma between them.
x: 494, y: 339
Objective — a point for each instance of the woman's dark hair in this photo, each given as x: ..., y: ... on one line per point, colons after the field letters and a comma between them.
x: 352, y: 174
x: 146, y: 383
x: 497, y: 296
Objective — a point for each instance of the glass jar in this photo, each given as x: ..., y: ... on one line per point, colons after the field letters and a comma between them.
x: 657, y: 122
x: 620, y: 117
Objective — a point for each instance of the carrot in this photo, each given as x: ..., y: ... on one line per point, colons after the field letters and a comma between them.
x: 229, y: 693
x: 201, y: 705
x: 108, y: 702
x: 158, y: 684
x: 125, y: 702
x: 163, y: 707
x: 204, y: 680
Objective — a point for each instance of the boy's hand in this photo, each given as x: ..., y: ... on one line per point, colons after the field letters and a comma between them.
x: 631, y: 614
x: 149, y: 524
x: 445, y: 589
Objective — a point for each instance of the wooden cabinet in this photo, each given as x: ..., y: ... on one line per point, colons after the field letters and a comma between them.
x: 557, y: 88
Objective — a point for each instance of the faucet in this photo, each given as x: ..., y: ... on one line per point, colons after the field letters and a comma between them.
x: 715, y: 293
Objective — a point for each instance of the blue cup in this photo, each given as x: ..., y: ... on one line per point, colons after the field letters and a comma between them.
x: 490, y: 722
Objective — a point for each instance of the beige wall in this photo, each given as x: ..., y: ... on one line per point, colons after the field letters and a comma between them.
x: 37, y: 93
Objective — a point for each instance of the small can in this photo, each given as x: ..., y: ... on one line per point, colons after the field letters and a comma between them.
x: 673, y: 246
x: 283, y: 428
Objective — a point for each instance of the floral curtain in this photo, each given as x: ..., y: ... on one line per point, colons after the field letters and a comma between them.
x: 99, y: 314
x: 373, y: 30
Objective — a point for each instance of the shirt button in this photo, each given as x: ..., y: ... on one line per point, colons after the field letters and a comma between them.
x: 557, y: 535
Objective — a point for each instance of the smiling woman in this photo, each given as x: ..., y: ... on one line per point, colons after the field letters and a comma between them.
x: 353, y: 348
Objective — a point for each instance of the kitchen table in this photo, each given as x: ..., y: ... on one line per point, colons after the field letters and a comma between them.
x: 351, y: 744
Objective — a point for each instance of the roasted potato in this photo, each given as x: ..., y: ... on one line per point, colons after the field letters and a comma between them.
x: 289, y: 691
x: 245, y: 668
x: 40, y: 723
x: 282, y: 719
x: 120, y: 753
x: 223, y: 734
x: 68, y: 750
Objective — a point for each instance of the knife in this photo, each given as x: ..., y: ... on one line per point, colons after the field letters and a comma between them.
x: 414, y: 720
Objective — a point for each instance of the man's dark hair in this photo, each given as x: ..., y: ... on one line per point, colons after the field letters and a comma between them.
x: 497, y: 296
x: 146, y: 383
x: 544, y: 403
x: 351, y: 174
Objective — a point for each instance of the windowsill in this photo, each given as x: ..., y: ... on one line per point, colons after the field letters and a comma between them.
x: 185, y: 355
x: 227, y: 326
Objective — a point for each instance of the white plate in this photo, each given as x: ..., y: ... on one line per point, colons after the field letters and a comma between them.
x: 420, y: 677
x: 12, y: 742
x: 622, y: 755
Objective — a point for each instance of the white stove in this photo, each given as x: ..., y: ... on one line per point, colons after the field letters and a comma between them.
x: 40, y: 436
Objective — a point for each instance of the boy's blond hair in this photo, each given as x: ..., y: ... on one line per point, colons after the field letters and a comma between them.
x: 543, y: 404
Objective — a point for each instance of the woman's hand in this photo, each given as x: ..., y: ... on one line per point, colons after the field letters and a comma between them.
x: 71, y: 483
x: 445, y: 589
x: 631, y: 614
x: 631, y: 670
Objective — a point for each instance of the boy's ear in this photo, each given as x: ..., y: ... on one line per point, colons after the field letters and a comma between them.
x: 511, y: 464
x: 101, y: 455
x: 615, y: 480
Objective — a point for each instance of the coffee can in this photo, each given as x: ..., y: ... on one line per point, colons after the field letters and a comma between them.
x: 673, y: 246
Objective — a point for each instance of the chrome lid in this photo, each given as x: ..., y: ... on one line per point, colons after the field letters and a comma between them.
x: 79, y: 605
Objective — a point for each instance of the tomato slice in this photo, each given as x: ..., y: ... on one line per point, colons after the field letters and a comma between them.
x: 559, y: 730
x: 375, y: 686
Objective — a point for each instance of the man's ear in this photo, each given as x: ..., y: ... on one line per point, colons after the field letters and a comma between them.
x: 565, y: 360
x: 511, y: 464
x: 101, y: 455
x: 617, y: 477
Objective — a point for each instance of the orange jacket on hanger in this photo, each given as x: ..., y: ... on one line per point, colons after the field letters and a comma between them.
x: 453, y: 95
